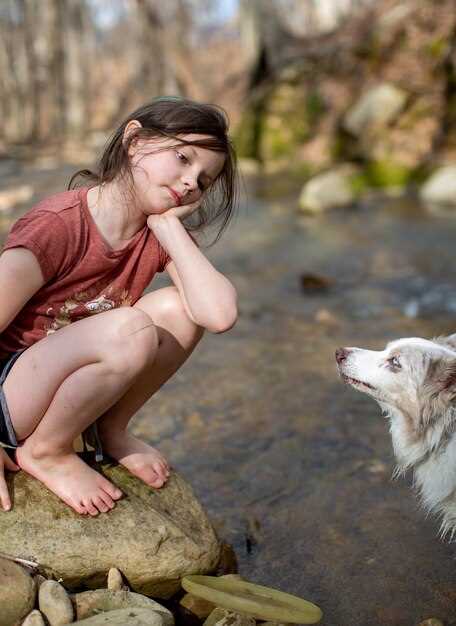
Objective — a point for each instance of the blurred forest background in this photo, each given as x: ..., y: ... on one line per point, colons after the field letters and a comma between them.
x: 308, y: 84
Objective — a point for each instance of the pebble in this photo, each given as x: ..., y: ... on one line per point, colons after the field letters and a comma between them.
x: 124, y: 617
x: 34, y: 618
x: 115, y: 582
x: 55, y: 603
x: 88, y: 603
x: 17, y: 592
x: 198, y: 606
x: 223, y: 617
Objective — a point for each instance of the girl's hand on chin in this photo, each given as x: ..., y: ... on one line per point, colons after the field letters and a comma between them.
x: 179, y: 212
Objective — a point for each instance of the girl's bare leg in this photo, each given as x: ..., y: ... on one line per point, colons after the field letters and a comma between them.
x: 71, y: 377
x: 178, y: 336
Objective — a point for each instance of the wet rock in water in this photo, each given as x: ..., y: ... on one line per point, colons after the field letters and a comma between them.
x: 327, y: 191
x: 35, y: 618
x: 115, y: 581
x: 312, y: 283
x: 55, y: 603
x: 377, y: 107
x: 440, y: 188
x: 89, y: 603
x: 154, y: 536
x: 124, y: 617
x: 223, y: 617
x: 17, y: 592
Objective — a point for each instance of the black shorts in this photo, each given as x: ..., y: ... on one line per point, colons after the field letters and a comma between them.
x: 7, y: 435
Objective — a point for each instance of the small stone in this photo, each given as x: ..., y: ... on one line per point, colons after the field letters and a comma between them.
x: 125, y: 617
x: 17, y: 592
x: 223, y: 617
x: 198, y: 606
x: 55, y: 603
x: 34, y: 618
x: 115, y: 582
x: 432, y: 621
x: 89, y: 603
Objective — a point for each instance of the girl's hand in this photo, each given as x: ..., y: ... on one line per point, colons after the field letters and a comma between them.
x: 6, y: 463
x: 181, y: 212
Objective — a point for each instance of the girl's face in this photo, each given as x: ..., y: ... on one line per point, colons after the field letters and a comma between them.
x: 166, y: 175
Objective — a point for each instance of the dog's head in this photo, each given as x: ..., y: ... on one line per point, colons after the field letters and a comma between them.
x: 414, y: 381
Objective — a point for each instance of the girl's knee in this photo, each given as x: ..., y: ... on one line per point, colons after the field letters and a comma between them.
x: 132, y: 342
x: 168, y: 311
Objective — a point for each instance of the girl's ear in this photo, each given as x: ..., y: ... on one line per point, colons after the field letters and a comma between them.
x: 130, y: 128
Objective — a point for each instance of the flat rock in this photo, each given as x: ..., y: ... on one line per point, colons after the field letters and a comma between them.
x: 154, y: 536
x: 89, y: 603
x: 17, y: 592
x: 125, y: 617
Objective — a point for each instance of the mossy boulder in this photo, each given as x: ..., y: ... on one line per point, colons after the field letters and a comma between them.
x: 154, y: 536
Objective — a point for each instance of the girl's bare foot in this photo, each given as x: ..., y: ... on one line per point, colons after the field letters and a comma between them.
x: 138, y: 457
x: 73, y: 481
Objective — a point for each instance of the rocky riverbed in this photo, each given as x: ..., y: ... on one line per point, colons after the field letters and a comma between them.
x: 293, y: 468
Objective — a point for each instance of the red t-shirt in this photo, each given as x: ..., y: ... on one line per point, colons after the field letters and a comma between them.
x: 83, y: 274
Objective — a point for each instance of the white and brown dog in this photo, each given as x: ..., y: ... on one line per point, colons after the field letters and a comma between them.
x: 414, y: 382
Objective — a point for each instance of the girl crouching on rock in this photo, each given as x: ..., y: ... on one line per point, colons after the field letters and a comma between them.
x: 79, y: 341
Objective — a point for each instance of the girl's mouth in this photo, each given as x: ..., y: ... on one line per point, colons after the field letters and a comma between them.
x: 176, y: 197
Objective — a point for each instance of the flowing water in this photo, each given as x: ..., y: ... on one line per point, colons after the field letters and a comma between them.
x: 293, y: 467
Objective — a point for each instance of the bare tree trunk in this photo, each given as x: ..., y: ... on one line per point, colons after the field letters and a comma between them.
x: 57, y: 100
x: 34, y: 92
x: 76, y: 67
x: 150, y: 48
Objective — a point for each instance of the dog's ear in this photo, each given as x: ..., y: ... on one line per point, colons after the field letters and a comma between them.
x: 446, y: 380
x: 449, y: 341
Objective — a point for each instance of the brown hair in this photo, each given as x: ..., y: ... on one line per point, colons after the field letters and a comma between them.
x: 170, y: 117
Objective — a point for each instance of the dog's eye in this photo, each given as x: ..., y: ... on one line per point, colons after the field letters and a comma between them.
x: 394, y: 363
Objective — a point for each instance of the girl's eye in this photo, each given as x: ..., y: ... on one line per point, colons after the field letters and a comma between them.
x: 181, y: 156
x: 395, y: 363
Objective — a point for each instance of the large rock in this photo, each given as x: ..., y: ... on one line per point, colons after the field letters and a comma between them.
x: 326, y: 191
x: 440, y: 189
x: 17, y: 591
x: 154, y: 536
x: 377, y: 107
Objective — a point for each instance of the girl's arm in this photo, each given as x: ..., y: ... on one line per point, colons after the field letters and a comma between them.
x: 20, y: 279
x: 208, y: 297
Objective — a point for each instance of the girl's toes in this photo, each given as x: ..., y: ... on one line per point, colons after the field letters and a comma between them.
x: 91, y: 508
x: 101, y: 504
x: 112, y: 491
x: 107, y: 500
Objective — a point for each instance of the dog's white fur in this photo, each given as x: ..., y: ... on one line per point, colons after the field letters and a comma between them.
x: 414, y: 381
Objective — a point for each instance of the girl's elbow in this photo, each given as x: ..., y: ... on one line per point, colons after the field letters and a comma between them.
x: 224, y: 321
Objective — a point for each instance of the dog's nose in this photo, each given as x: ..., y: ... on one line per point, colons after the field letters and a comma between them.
x: 341, y: 354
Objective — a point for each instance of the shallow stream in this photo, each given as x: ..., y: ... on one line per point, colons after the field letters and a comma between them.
x: 293, y: 467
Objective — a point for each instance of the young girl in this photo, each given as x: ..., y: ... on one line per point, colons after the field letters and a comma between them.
x: 79, y: 342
